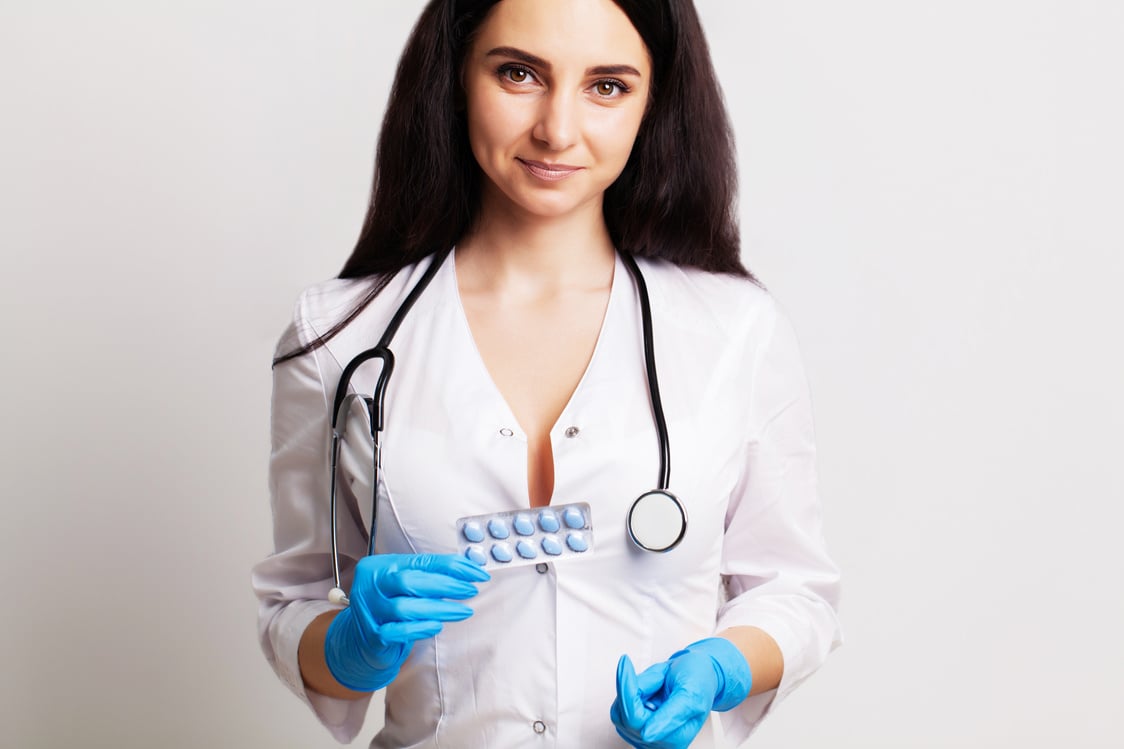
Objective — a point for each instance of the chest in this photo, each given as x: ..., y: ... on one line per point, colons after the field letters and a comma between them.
x: 535, y: 352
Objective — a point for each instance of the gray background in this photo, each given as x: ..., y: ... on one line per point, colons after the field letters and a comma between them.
x: 932, y: 190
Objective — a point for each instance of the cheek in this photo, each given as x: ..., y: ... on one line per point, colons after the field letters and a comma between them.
x: 493, y: 124
x: 614, y: 136
x: 479, y: 133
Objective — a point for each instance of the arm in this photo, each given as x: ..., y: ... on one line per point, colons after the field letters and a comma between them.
x: 313, y: 666
x: 292, y: 583
x: 761, y: 652
x: 778, y: 576
x: 778, y: 623
x: 321, y: 652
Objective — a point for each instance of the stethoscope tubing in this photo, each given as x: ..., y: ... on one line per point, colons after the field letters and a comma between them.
x: 375, y: 411
x: 650, y: 367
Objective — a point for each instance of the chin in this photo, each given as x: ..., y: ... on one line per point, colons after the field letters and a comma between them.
x: 550, y: 209
x: 550, y: 205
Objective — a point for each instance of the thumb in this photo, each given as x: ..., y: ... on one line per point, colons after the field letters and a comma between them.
x: 628, y: 694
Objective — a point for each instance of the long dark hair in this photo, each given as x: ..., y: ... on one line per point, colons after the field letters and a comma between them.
x: 675, y: 199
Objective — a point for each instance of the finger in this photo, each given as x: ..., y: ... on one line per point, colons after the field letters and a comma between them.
x: 650, y: 682
x: 421, y: 584
x: 618, y: 719
x: 449, y: 564
x: 628, y: 695
x: 407, y: 609
x: 678, y: 709
x: 409, y: 632
x: 374, y: 626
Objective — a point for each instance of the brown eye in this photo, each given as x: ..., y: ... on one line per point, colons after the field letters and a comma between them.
x: 517, y: 74
x: 610, y: 88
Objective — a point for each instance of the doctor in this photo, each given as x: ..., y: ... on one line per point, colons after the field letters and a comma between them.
x: 541, y: 138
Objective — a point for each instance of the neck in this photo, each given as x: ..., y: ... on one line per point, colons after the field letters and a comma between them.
x: 507, y: 252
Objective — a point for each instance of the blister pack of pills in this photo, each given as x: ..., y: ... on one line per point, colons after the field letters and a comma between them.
x: 520, y: 537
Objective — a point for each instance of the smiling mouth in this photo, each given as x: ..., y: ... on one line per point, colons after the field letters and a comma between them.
x: 548, y: 172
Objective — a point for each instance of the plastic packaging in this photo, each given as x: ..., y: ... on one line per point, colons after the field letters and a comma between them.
x: 532, y: 536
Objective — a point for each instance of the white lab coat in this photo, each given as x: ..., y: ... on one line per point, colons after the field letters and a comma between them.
x: 535, y: 664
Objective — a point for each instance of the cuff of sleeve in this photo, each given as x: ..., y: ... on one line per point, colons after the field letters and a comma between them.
x: 343, y: 718
x: 803, y: 651
x: 740, y: 722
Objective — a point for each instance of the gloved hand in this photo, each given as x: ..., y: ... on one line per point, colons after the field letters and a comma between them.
x: 666, y: 706
x: 395, y: 601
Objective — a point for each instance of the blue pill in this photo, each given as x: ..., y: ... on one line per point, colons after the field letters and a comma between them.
x: 501, y: 552
x: 473, y: 532
x: 476, y: 554
x: 551, y: 546
x: 523, y: 525
x: 498, y: 528
x: 577, y: 542
x: 574, y: 518
x: 548, y: 521
x: 526, y: 550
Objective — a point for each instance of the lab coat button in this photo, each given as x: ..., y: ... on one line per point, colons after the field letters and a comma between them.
x: 541, y: 568
x: 539, y: 726
x: 506, y: 432
x: 572, y: 432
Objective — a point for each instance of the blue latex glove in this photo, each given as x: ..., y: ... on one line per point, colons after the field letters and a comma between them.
x: 666, y: 706
x: 395, y: 601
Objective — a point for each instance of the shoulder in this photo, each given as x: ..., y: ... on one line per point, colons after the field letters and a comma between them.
x: 322, y: 306
x: 699, y: 302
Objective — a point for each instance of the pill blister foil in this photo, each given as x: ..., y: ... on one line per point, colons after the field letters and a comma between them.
x: 532, y: 536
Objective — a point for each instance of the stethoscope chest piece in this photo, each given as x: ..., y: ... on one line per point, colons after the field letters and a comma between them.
x: 657, y: 521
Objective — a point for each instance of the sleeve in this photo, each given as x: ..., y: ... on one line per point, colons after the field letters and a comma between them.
x: 775, y: 566
x: 292, y: 584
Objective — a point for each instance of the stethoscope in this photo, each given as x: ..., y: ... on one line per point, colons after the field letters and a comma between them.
x: 657, y: 520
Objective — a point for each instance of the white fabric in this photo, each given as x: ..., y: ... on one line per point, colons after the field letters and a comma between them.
x: 544, y: 646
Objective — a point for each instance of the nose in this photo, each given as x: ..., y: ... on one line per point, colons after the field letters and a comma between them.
x: 558, y: 123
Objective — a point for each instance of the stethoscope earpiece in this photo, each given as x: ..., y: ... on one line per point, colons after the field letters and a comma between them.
x: 657, y: 521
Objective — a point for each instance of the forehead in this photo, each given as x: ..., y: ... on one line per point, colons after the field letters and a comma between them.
x: 581, y: 33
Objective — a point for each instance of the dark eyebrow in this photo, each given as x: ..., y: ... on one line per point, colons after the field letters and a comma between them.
x: 519, y: 55
x: 613, y: 70
x: 538, y: 62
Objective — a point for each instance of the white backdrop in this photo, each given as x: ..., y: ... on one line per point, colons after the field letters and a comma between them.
x: 932, y: 190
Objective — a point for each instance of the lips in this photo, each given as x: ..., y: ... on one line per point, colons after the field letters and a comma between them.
x: 548, y: 172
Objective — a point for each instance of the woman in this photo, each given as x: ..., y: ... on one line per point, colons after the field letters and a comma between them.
x: 529, y: 148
